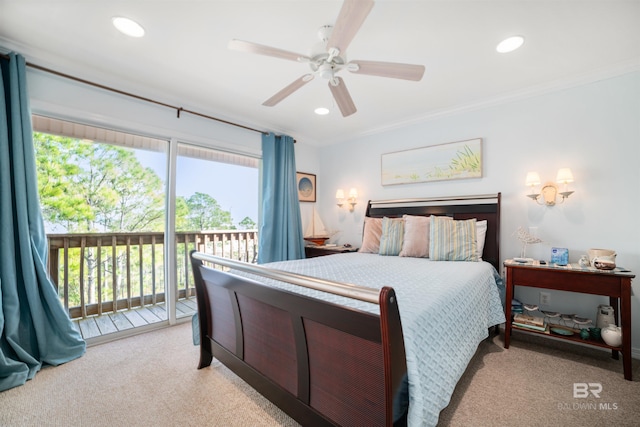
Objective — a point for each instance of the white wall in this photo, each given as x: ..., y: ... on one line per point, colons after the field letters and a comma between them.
x: 308, y: 161
x: 594, y: 129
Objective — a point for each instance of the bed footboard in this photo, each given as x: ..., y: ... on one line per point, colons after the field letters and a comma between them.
x: 321, y: 363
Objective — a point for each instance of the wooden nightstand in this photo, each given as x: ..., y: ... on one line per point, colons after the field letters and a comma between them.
x: 615, y: 284
x: 315, y: 251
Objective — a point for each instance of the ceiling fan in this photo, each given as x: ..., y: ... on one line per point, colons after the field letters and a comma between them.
x: 328, y: 63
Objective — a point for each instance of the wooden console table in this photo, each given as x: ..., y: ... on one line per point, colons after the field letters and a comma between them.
x: 615, y: 284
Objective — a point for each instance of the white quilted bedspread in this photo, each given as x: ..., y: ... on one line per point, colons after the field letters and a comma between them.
x: 446, y: 309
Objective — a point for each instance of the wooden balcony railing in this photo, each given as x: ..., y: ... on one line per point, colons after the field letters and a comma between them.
x: 97, y: 273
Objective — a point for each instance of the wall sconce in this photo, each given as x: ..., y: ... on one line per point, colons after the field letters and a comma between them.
x: 549, y: 190
x: 352, y: 200
x: 340, y: 197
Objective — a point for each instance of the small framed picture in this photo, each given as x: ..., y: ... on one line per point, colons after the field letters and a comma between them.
x: 306, y: 186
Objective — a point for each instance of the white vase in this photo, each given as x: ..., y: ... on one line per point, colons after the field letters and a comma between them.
x: 612, y: 335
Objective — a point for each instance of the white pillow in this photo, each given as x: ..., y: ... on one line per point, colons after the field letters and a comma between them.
x: 481, y: 234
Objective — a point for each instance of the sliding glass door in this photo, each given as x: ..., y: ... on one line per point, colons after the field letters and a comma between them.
x: 123, y: 211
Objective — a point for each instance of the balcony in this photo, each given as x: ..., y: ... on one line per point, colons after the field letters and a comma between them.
x: 110, y: 282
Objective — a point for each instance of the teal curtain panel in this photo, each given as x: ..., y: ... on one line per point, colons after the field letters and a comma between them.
x: 281, y: 223
x: 34, y: 327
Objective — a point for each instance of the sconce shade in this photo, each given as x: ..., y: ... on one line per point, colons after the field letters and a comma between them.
x: 533, y: 179
x: 340, y: 194
x: 564, y: 176
x: 353, y: 193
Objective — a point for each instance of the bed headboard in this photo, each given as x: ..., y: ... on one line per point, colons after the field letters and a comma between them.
x: 481, y: 207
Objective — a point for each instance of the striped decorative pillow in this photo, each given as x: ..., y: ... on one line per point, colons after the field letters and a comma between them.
x: 453, y: 240
x: 392, y: 233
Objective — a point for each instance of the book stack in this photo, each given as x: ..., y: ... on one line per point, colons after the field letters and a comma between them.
x: 516, y: 307
x: 526, y: 321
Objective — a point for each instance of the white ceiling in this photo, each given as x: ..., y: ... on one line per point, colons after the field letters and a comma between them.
x: 183, y: 59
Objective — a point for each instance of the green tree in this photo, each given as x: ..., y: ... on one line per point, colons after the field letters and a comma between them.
x: 205, y: 213
x: 56, y: 169
x: 182, y: 212
x: 90, y: 187
x: 247, y: 224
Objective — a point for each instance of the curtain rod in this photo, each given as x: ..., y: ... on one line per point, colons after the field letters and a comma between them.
x: 152, y: 101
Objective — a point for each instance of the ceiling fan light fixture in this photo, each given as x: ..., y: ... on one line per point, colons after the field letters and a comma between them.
x: 510, y: 44
x: 321, y: 111
x: 127, y: 26
x: 326, y: 71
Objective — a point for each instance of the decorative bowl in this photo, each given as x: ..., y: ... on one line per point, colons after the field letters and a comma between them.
x: 594, y: 253
x: 612, y: 335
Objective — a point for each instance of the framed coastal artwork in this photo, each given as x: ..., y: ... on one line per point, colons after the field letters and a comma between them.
x: 453, y: 160
x: 306, y: 186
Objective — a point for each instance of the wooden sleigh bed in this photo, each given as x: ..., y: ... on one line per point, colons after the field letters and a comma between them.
x: 321, y: 362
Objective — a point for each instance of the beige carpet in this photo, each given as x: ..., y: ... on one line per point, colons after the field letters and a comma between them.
x: 152, y: 380
x: 532, y: 384
x: 147, y: 380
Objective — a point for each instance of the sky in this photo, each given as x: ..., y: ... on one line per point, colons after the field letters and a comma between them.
x: 235, y: 188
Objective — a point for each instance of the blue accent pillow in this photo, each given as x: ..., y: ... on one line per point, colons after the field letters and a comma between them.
x: 392, y: 234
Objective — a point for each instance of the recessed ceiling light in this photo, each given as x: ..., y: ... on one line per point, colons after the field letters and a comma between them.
x: 128, y: 26
x: 322, y: 111
x: 510, y: 44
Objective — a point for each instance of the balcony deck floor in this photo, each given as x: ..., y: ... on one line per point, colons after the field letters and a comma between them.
x: 108, y: 323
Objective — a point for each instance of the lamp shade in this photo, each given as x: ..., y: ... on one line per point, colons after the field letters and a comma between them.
x: 353, y: 193
x: 532, y: 179
x: 564, y: 176
x: 340, y: 194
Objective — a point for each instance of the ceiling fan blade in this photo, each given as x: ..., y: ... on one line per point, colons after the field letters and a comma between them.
x: 244, y: 46
x: 350, y: 19
x: 297, y: 84
x: 387, y: 69
x: 342, y: 97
